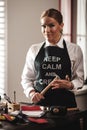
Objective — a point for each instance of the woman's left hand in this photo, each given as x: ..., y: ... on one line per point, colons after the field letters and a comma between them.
x: 62, y: 83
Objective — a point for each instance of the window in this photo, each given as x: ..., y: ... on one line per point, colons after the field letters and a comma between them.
x: 82, y: 30
x: 66, y: 11
x: 75, y: 24
x: 3, y: 48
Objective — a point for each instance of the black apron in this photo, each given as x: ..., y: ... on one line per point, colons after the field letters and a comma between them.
x: 51, y: 61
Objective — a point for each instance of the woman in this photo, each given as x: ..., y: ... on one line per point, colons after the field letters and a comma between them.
x: 52, y: 58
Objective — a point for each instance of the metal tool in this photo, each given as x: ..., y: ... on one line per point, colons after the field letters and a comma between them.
x: 7, y: 98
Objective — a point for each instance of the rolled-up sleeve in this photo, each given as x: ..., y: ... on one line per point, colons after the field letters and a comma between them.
x: 77, y: 67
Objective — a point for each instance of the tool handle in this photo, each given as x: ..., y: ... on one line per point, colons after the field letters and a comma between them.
x: 47, y: 87
x: 73, y: 109
x: 45, y: 90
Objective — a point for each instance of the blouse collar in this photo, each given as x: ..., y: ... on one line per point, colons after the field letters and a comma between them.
x: 59, y: 44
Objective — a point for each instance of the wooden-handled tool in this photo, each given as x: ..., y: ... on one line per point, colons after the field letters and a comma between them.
x: 45, y: 90
x: 48, y: 86
x: 73, y: 109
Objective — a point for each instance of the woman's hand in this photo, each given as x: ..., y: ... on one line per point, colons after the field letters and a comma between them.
x: 62, y: 83
x: 36, y: 96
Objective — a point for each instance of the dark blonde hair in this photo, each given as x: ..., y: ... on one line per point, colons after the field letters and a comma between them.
x: 53, y: 13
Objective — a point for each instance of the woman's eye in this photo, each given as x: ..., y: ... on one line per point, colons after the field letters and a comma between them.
x: 51, y: 25
x: 44, y: 26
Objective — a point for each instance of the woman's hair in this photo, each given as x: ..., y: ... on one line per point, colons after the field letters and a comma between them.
x: 53, y: 13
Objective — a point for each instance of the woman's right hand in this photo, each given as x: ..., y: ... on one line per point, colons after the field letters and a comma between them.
x: 36, y: 97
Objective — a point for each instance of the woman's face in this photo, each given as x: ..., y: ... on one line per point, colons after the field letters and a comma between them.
x: 51, y: 29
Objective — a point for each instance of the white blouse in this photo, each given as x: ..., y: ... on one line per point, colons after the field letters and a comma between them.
x: 77, y: 69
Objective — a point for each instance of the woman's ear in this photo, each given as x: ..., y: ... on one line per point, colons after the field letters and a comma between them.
x: 62, y: 24
x: 61, y: 28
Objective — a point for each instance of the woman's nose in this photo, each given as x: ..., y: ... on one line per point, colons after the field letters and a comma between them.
x: 47, y: 29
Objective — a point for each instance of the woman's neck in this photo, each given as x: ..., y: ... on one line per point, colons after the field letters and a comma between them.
x: 55, y: 41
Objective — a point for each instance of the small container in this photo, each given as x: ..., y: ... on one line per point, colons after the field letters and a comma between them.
x: 58, y: 110
x: 13, y: 107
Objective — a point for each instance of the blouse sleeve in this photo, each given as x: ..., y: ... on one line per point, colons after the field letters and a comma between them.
x: 28, y: 74
x: 78, y: 68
